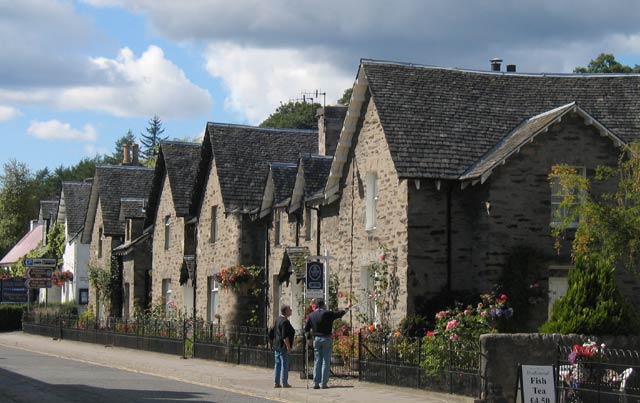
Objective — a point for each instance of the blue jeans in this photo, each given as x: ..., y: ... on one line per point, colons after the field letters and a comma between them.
x: 281, y: 367
x: 322, y: 349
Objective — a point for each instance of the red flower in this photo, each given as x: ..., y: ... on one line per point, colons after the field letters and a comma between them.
x: 503, y: 297
x: 382, y: 257
x: 430, y: 333
x: 372, y: 328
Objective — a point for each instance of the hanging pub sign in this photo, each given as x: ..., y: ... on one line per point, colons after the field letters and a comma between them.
x: 315, y: 280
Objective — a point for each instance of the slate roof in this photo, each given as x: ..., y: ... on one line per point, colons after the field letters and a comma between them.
x: 524, y: 133
x: 241, y: 155
x: 132, y: 208
x: 111, y: 184
x: 316, y: 171
x: 48, y: 210
x: 74, y: 199
x: 179, y: 160
x: 29, y: 242
x: 284, y: 177
x: 438, y: 122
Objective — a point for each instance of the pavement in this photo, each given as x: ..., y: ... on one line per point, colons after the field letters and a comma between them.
x: 246, y: 380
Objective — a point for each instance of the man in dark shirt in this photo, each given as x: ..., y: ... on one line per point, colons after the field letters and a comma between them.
x: 282, y: 345
x: 320, y: 322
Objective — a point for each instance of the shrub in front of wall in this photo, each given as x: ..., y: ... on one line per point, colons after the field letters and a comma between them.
x: 11, y: 317
x: 593, y: 305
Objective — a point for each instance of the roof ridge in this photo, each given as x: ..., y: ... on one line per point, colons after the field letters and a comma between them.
x: 504, y: 73
x: 267, y: 129
x: 130, y: 167
x: 180, y: 142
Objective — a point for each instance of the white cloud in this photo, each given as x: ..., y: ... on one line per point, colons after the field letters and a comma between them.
x: 8, y: 113
x: 144, y: 86
x: 56, y: 130
x: 259, y: 79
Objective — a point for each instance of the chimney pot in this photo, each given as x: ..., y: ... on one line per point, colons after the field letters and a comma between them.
x: 511, y: 68
x: 126, y: 158
x: 495, y: 64
x: 135, y: 154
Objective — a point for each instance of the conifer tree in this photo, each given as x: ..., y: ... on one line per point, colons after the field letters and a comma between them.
x: 151, y: 140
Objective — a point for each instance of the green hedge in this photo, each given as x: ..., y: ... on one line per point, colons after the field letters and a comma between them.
x: 11, y: 317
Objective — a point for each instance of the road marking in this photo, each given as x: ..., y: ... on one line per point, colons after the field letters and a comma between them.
x: 223, y: 388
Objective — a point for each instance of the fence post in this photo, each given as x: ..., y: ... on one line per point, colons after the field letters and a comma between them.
x: 419, y: 361
x: 386, y: 367
x: 449, y: 367
x: 184, y: 338
x: 359, y: 356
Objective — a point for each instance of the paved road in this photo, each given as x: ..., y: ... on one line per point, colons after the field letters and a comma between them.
x: 35, y: 378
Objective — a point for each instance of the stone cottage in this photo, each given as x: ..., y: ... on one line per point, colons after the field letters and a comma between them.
x: 448, y: 170
x: 292, y: 195
x: 135, y: 256
x: 72, y: 210
x: 228, y: 194
x: 115, y: 189
x: 171, y: 226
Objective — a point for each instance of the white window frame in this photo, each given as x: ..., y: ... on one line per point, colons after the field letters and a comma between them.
x: 278, y: 227
x: 100, y: 239
x: 371, y: 202
x: 213, y: 292
x: 366, y: 288
x: 213, y: 235
x: 167, y: 232
x: 557, y: 196
x: 311, y: 223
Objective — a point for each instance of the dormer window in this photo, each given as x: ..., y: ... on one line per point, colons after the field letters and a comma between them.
x: 371, y: 200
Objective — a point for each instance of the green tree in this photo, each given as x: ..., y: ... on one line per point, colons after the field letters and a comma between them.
x: 607, y: 238
x: 293, y: 115
x: 18, y: 203
x: 118, y: 154
x: 346, y: 97
x: 606, y: 63
x: 593, y: 305
x: 151, y: 140
x: 49, y: 183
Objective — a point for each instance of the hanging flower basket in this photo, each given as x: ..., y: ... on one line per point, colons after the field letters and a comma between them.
x: 238, y: 276
x: 60, y: 277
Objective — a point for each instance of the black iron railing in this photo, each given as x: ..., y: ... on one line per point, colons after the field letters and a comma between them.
x: 369, y: 357
x: 608, y: 375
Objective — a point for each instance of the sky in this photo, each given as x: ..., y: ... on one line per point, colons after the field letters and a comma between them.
x: 77, y: 75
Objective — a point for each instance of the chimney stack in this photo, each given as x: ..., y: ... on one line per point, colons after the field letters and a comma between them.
x: 330, y: 121
x: 126, y: 158
x: 511, y: 68
x: 495, y: 64
x: 135, y: 160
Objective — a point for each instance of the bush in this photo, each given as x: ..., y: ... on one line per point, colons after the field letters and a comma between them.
x: 57, y: 309
x: 593, y: 305
x: 455, y: 339
x: 11, y: 317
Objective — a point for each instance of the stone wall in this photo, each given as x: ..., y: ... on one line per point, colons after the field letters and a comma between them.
x: 168, y: 262
x: 344, y: 235
x: 103, y: 262
x: 238, y: 242
x: 511, y: 209
x: 501, y: 354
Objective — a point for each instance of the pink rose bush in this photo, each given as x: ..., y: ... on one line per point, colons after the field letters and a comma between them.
x: 457, y: 332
